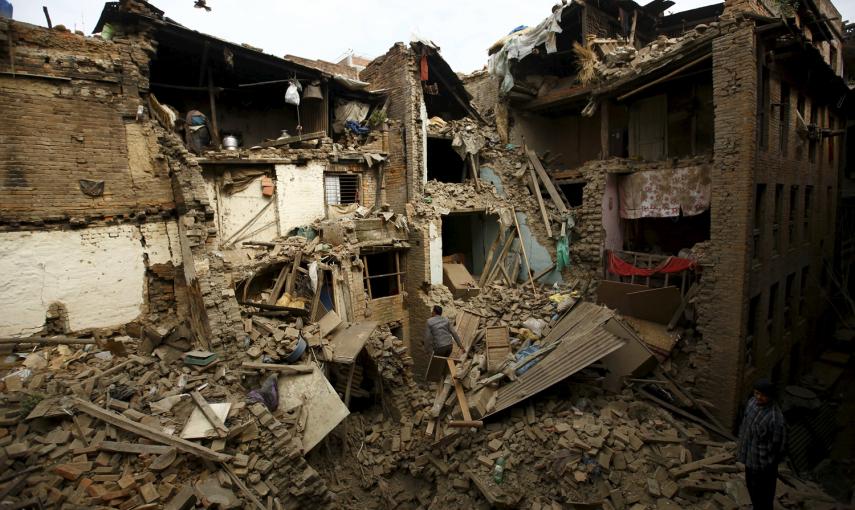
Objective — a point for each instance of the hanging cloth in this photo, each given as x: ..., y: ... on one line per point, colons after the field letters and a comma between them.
x: 423, y: 67
x: 670, y: 265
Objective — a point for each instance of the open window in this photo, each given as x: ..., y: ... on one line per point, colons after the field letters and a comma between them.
x: 573, y: 191
x: 382, y: 274
x: 341, y: 189
x: 443, y: 163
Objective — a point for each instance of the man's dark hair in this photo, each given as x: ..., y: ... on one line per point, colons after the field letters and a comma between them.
x: 765, y: 387
x: 437, y: 309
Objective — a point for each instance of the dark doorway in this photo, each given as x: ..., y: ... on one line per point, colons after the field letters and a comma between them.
x: 466, y: 238
x: 443, y: 164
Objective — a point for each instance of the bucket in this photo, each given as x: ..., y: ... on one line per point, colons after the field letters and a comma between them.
x: 298, y: 351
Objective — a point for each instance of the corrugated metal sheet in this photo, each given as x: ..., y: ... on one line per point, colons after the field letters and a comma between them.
x: 583, y: 342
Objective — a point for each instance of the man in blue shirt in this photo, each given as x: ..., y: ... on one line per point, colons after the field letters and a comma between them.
x: 762, y: 437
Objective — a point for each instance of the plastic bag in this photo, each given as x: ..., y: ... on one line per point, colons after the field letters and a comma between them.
x: 292, y: 95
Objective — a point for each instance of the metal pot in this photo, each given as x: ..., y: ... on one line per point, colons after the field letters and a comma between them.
x: 230, y: 143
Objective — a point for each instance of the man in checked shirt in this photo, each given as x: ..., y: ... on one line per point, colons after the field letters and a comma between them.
x: 762, y: 437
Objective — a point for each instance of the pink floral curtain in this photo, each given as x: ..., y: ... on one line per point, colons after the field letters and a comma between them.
x: 665, y: 193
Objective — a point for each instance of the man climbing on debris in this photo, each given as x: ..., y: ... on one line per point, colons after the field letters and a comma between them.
x: 762, y: 437
x: 439, y: 333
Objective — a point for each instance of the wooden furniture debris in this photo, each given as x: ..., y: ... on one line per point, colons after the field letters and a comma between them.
x: 349, y: 340
x: 498, y: 347
x: 458, y: 280
x: 148, y: 432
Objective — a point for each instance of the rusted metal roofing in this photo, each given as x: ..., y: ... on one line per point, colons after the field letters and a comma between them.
x: 583, y: 341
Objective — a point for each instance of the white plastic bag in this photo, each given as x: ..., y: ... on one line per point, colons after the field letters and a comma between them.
x: 292, y: 95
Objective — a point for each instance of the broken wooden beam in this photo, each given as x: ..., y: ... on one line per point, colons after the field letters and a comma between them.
x: 57, y: 340
x: 685, y: 469
x: 466, y: 423
x: 547, y: 182
x: 148, y: 432
x: 525, y: 257
x: 540, y: 204
x: 219, y: 427
x: 287, y: 369
x: 139, y: 449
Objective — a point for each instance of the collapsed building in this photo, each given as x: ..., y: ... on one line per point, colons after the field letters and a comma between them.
x: 713, y: 135
x: 228, y: 257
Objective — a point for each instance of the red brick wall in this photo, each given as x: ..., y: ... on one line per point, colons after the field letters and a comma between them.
x: 723, y: 299
x: 737, y: 276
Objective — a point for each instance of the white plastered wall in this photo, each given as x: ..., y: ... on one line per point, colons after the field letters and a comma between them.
x: 300, y: 194
x: 435, y: 252
x: 98, y: 274
x: 235, y: 211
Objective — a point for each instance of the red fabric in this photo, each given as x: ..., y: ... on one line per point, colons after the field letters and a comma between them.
x: 669, y: 265
x: 424, y: 68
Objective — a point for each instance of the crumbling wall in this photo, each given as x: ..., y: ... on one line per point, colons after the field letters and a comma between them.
x: 70, y: 116
x: 394, y: 182
x: 214, y: 311
x: 71, y: 105
x: 484, y: 90
x: 396, y: 71
x: 98, y: 274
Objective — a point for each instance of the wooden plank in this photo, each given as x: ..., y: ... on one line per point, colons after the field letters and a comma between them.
x: 215, y: 420
x: 293, y: 139
x: 458, y: 390
x: 465, y: 424
x: 139, y: 449
x: 349, y: 384
x: 689, y: 416
x: 685, y: 469
x: 57, y: 340
x: 543, y: 273
x: 498, y: 346
x: 489, y: 260
x: 349, y: 340
x: 215, y: 135
x: 547, y: 182
x: 470, y: 158
x: 500, y: 260
x: 292, y: 278
x: 316, y: 299
x: 243, y: 488
x: 537, y: 194
x: 466, y: 326
x: 525, y: 257
x: 683, y: 304
x: 148, y: 432
x: 273, y: 367
x: 277, y: 287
